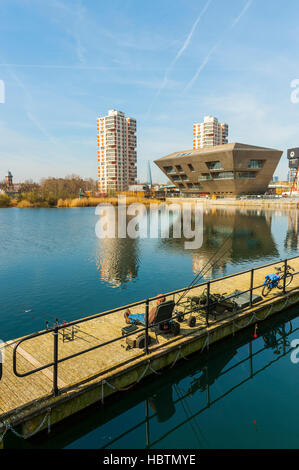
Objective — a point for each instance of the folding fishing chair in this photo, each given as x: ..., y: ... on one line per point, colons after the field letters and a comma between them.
x: 162, y: 322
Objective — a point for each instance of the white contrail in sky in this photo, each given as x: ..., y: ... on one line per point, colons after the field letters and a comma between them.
x: 37, y: 123
x: 207, y: 58
x: 28, y: 106
x: 28, y: 103
x: 242, y: 13
x: 189, y: 37
x: 179, y: 53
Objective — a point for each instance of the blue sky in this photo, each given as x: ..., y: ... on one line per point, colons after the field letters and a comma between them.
x: 166, y: 63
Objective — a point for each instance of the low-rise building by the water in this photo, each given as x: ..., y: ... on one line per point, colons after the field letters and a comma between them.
x: 9, y: 187
x: 222, y: 170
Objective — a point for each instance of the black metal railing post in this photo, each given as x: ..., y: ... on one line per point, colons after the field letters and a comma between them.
x: 208, y: 303
x: 250, y: 359
x: 208, y: 387
x: 285, y: 275
x: 251, y: 286
x: 146, y: 325
x: 55, y: 366
x: 147, y: 428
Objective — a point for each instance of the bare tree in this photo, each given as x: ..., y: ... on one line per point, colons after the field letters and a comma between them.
x: 2, y: 185
x: 29, y: 186
x: 68, y: 187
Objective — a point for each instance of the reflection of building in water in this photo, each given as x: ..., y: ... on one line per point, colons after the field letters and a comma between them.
x: 292, y: 240
x: 210, y: 373
x: 162, y: 403
x: 243, y: 234
x: 118, y: 259
x: 201, y: 263
x: 277, y: 337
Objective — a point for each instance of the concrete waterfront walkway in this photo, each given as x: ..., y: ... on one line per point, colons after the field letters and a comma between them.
x: 260, y: 203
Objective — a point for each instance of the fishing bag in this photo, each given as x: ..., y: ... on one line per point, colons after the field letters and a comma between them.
x: 137, y: 341
x: 191, y: 321
x: 128, y: 329
x: 221, y: 304
x: 175, y: 328
x: 203, y: 299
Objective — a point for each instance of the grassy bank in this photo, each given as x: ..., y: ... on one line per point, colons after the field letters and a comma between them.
x: 94, y: 201
x: 6, y: 202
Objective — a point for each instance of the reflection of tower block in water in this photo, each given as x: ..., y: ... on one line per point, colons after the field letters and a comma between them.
x: 9, y: 180
x: 293, y: 179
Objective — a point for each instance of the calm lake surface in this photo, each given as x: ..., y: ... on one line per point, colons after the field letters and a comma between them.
x: 53, y: 265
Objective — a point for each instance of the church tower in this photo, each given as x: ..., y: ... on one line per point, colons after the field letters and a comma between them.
x: 8, y: 180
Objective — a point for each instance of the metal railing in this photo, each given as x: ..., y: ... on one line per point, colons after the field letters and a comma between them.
x: 56, y: 329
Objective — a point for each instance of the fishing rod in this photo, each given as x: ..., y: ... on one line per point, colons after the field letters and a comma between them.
x: 210, y: 260
x: 203, y: 273
x: 10, y: 343
x: 205, y: 268
x: 40, y: 317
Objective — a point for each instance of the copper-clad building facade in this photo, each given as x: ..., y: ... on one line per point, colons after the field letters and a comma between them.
x: 224, y: 170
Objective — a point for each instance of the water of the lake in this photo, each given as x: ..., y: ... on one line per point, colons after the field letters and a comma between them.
x: 53, y: 265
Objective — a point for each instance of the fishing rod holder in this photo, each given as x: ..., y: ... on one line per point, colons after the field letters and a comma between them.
x: 68, y: 334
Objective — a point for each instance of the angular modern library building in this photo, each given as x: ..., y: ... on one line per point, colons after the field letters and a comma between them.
x: 224, y: 170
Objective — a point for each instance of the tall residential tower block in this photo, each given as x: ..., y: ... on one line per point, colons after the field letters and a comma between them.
x: 209, y: 133
x: 117, y: 157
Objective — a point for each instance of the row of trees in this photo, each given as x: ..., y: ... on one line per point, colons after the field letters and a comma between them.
x: 50, y: 190
x: 64, y: 188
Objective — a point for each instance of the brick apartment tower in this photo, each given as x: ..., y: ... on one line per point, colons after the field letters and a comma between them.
x: 117, y: 154
x: 209, y: 133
